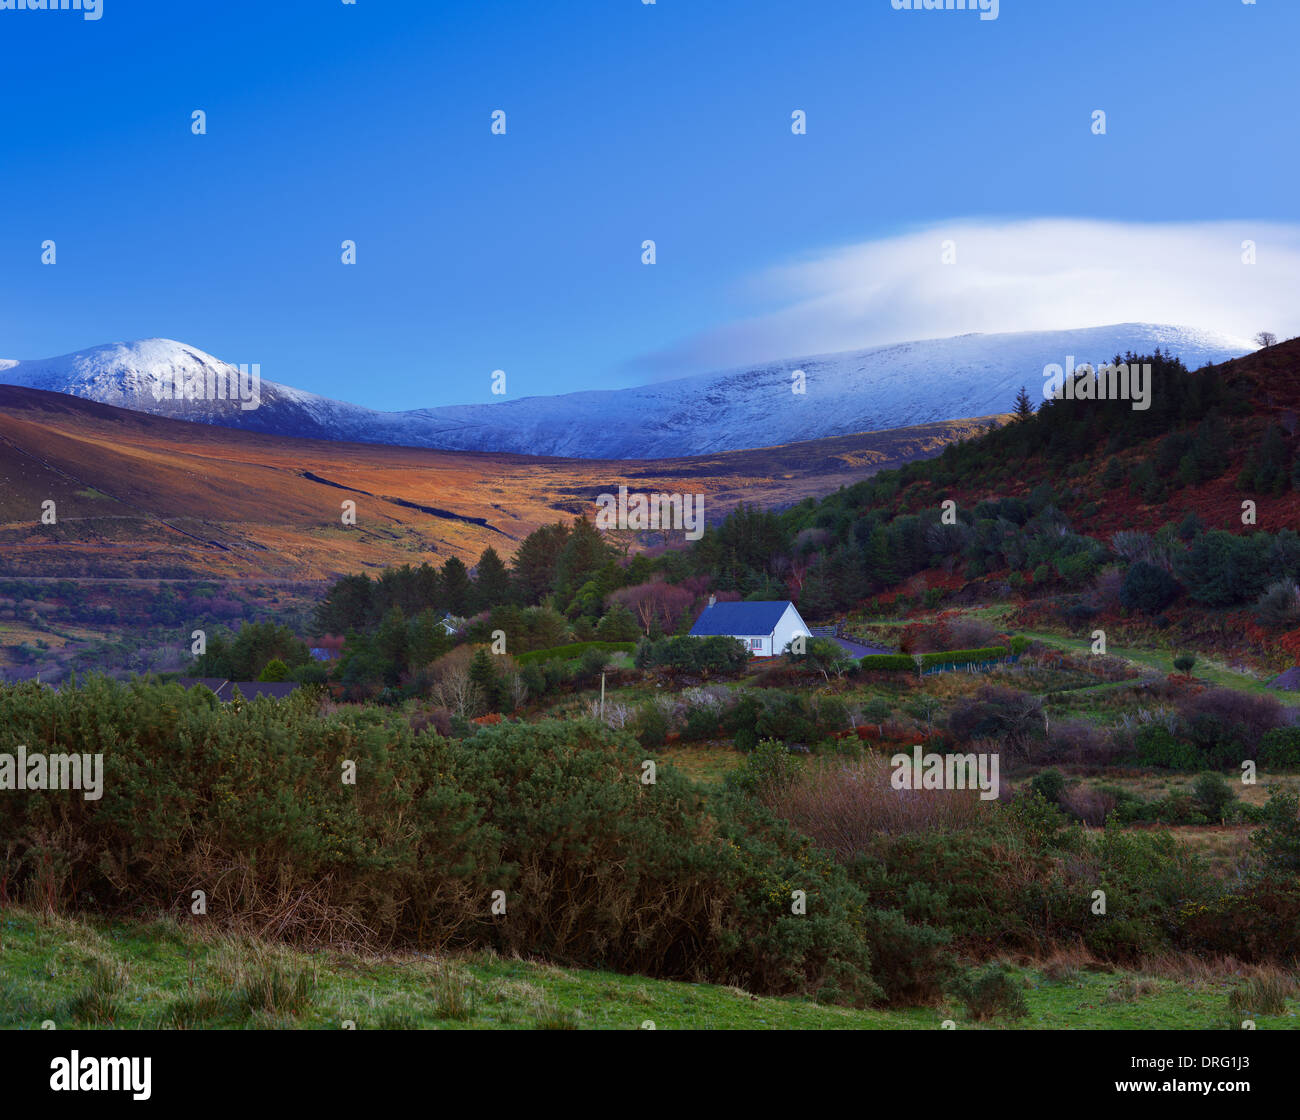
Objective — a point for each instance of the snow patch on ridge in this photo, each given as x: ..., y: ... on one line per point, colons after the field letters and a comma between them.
x: 749, y: 406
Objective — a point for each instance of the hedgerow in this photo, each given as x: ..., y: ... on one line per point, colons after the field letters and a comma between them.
x: 573, y: 651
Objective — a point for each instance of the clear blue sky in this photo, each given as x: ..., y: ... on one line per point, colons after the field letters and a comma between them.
x: 626, y: 121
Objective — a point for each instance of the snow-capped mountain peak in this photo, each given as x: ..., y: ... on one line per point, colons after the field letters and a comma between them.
x: 752, y: 406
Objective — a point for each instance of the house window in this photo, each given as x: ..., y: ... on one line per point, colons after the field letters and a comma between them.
x: 755, y: 643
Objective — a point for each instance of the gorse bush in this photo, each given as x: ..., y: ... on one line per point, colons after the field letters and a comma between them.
x: 248, y: 805
x: 1279, y: 748
x: 1148, y: 588
x: 700, y: 655
x: 1049, y: 785
x: 1019, y: 879
x: 992, y: 992
x: 1157, y: 746
x: 1213, y: 796
x: 769, y: 770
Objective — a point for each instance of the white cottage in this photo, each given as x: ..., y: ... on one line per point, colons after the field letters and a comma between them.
x: 765, y: 627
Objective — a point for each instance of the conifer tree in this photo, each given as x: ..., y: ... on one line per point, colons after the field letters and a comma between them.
x: 1024, y: 407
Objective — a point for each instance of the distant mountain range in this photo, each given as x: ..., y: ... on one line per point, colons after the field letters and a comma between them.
x: 856, y: 391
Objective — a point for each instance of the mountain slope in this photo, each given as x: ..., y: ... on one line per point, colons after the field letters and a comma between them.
x: 856, y: 391
x: 139, y: 496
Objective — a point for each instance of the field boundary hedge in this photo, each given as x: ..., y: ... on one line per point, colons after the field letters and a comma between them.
x: 573, y: 650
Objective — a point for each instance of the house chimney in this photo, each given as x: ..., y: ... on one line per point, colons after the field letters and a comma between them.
x: 712, y: 599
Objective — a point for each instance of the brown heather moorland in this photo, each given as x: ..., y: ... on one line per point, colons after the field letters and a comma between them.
x: 140, y: 496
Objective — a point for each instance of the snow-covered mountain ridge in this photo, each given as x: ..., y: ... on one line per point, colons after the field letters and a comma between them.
x: 754, y: 406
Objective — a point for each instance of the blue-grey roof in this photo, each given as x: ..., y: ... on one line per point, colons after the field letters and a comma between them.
x: 739, y: 618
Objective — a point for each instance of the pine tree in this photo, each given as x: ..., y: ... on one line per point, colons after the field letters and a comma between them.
x: 391, y: 644
x: 427, y: 640
x: 618, y: 625
x: 533, y: 565
x: 585, y: 553
x: 491, y: 581
x: 1024, y: 408
x: 484, y: 675
x: 456, y: 589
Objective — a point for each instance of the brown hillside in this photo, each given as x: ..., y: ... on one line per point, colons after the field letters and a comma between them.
x: 147, y: 496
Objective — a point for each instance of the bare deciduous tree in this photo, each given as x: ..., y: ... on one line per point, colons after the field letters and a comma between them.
x: 516, y: 690
x: 455, y: 691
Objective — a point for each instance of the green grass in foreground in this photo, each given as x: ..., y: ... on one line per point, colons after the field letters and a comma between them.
x: 81, y: 974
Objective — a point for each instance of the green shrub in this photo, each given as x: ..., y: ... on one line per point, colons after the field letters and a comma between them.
x: 767, y: 769
x: 701, y: 723
x: 591, y: 664
x: 248, y: 804
x: 700, y: 655
x: 1259, y: 921
x: 963, y: 656
x: 1157, y: 747
x: 785, y: 716
x: 912, y: 963
x: 1021, y: 879
x: 1147, y: 588
x: 992, y: 992
x: 573, y: 651
x: 1278, y: 840
x: 743, y: 714
x: 1049, y: 785
x: 651, y: 727
x: 886, y: 662
x: 1213, y: 795
x: 1279, y: 749
x: 276, y: 670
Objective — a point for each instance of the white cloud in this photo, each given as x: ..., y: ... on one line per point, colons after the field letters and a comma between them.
x: 1042, y: 274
